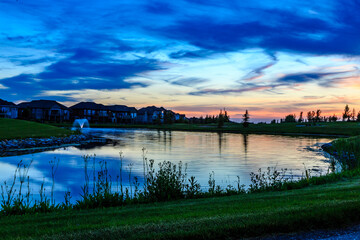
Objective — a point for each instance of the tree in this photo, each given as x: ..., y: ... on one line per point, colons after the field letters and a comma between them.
x: 226, y: 116
x: 346, y: 114
x: 318, y: 114
x: 311, y: 116
x: 246, y: 119
x: 301, y: 119
x: 290, y: 118
x: 221, y: 119
x: 169, y: 117
x: 334, y: 118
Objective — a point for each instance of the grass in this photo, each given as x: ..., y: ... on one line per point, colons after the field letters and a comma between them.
x: 333, y: 128
x: 332, y: 205
x: 16, y: 129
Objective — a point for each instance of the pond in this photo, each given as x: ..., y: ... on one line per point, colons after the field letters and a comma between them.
x: 228, y: 155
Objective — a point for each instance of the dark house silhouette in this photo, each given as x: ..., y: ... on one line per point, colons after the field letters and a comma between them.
x: 122, y: 114
x: 8, y: 109
x: 91, y: 111
x: 43, y: 110
x: 151, y: 114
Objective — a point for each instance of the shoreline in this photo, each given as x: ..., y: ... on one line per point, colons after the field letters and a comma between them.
x: 226, y: 131
x: 16, y: 147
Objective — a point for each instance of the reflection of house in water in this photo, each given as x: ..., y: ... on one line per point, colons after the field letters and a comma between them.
x: 8, y: 109
x: 44, y: 110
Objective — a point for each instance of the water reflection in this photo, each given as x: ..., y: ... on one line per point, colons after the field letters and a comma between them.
x: 228, y: 155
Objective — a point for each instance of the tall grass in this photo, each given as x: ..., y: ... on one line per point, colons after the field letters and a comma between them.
x: 168, y: 181
x: 347, y: 151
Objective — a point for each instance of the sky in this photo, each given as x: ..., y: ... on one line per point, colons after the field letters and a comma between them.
x: 192, y: 56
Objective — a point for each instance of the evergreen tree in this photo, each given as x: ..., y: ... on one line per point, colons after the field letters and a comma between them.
x: 246, y: 118
x: 221, y: 119
x: 346, y: 114
x: 226, y: 116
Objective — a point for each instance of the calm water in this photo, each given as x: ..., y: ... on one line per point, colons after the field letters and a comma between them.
x: 228, y: 155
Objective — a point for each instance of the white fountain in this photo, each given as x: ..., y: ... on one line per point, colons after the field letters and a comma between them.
x: 81, y: 123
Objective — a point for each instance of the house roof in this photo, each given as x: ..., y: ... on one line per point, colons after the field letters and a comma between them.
x: 88, y: 105
x: 120, y: 108
x: 6, y: 103
x: 44, y: 104
x: 151, y: 109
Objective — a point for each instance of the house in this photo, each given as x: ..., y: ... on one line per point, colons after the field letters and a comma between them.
x: 8, y: 109
x: 91, y: 111
x: 43, y: 110
x: 122, y: 114
x: 151, y: 115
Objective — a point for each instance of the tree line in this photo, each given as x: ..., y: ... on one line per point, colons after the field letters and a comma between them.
x: 219, y: 119
x: 316, y: 116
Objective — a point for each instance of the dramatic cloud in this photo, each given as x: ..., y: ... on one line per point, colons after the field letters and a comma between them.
x: 84, y: 69
x: 204, y: 52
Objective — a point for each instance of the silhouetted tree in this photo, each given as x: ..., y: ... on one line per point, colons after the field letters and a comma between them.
x: 221, y: 119
x: 318, y: 114
x: 201, y: 119
x: 311, y: 116
x: 301, y: 119
x: 358, y: 117
x: 246, y: 118
x: 169, y: 117
x: 226, y: 116
x: 346, y: 114
x: 333, y: 118
x: 290, y: 118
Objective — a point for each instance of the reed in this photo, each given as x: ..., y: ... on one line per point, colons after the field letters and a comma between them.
x: 167, y: 182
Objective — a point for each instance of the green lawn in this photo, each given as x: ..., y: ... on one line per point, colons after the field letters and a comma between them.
x: 332, y: 205
x: 337, y: 128
x: 11, y: 128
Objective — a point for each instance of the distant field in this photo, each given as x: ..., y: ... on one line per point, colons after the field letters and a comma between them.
x: 11, y: 128
x: 337, y: 128
x: 234, y: 217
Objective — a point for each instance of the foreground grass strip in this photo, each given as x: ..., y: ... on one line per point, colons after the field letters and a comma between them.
x: 11, y: 128
x: 329, y: 205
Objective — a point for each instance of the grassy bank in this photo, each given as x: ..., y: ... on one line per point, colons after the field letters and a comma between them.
x: 331, y: 205
x: 334, y: 128
x: 11, y: 128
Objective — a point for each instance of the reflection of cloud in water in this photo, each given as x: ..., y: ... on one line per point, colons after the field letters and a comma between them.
x: 6, y: 171
x: 229, y: 155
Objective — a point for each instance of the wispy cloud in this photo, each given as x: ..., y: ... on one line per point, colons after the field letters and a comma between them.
x: 236, y: 90
x: 192, y: 81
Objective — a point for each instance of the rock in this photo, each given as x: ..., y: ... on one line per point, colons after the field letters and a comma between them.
x: 40, y: 142
x: 327, y: 147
